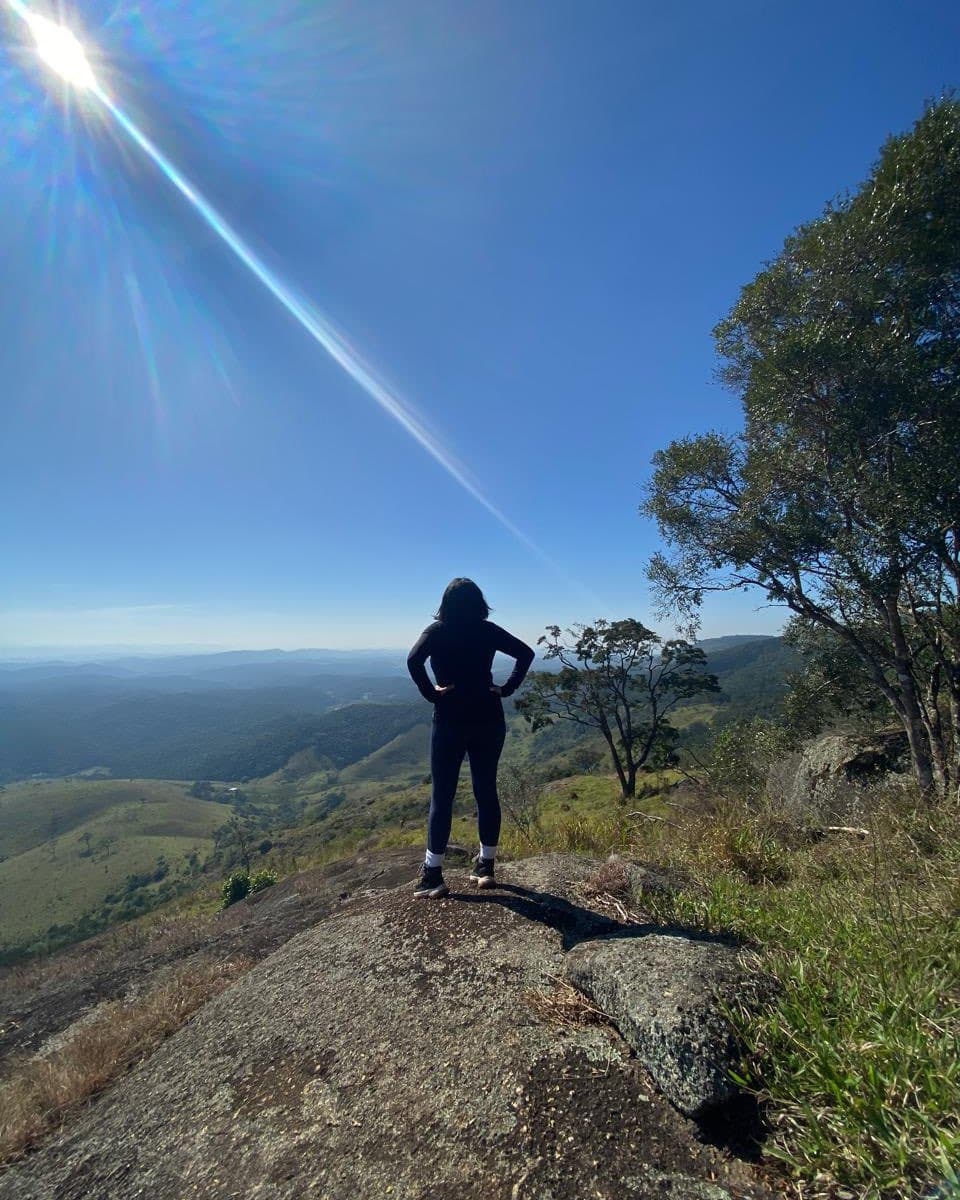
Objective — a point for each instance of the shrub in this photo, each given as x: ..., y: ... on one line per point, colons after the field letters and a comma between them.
x: 742, y: 755
x: 521, y: 794
x: 263, y: 879
x: 235, y: 887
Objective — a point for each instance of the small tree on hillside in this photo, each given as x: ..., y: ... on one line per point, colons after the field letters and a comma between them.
x: 241, y: 834
x: 620, y: 678
x: 520, y: 787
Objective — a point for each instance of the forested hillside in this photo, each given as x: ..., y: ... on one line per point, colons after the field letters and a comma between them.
x: 190, y: 718
x: 336, y: 738
x: 57, y: 727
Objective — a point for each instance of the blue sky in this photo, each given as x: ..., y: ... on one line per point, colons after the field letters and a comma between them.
x: 525, y: 216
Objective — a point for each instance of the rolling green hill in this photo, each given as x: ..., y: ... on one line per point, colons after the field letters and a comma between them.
x: 752, y: 672
x: 68, y: 845
x: 405, y: 759
x: 60, y: 726
x: 224, y: 717
x: 339, y: 737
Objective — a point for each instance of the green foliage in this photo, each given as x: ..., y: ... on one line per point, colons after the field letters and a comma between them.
x: 235, y: 887
x: 620, y: 679
x: 841, y: 498
x: 142, y: 879
x: 742, y: 754
x: 833, y: 683
x: 263, y: 879
x: 240, y: 884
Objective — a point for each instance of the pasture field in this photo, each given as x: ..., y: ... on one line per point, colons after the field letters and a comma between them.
x: 66, y: 844
x: 687, y: 714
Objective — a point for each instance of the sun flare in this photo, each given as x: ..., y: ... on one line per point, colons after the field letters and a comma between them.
x: 61, y: 51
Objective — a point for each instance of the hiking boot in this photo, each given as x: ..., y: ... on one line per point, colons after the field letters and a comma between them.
x: 430, y: 883
x: 482, y: 873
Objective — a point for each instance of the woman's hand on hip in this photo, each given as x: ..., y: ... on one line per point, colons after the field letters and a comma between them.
x: 443, y: 690
x: 496, y: 690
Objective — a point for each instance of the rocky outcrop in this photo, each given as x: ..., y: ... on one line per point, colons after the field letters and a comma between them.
x: 663, y: 992
x: 404, y: 1048
x: 826, y: 779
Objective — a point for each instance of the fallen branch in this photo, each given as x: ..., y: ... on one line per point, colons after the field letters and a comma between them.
x: 642, y: 816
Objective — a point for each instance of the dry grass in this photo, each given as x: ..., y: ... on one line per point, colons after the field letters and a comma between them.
x: 564, y: 1005
x: 154, y: 934
x: 40, y: 1089
x: 610, y: 890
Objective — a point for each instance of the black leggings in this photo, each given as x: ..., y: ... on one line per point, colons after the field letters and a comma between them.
x: 449, y: 742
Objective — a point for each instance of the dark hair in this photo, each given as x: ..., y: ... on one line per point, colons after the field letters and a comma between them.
x: 462, y: 601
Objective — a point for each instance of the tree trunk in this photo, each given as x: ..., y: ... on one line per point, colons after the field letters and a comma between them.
x: 933, y: 725
x: 919, y: 744
x: 955, y: 734
x: 911, y: 716
x: 608, y: 736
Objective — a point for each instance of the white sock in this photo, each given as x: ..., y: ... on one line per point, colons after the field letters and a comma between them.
x: 434, y: 860
x: 488, y: 852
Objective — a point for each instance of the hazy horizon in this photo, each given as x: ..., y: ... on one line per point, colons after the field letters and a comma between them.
x: 172, y: 627
x: 157, y: 650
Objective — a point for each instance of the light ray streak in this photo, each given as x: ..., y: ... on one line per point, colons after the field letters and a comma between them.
x: 318, y: 328
x: 63, y: 52
x: 142, y: 328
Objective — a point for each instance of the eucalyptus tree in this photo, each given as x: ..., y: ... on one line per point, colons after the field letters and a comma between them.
x: 831, y: 686
x: 840, y: 498
x: 619, y: 678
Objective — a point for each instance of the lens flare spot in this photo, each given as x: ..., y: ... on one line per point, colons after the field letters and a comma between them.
x: 60, y: 49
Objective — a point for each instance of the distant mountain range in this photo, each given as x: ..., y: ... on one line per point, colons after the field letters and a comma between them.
x: 218, y: 715
x: 241, y: 668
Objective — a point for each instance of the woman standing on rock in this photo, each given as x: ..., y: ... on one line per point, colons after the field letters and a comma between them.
x: 467, y: 720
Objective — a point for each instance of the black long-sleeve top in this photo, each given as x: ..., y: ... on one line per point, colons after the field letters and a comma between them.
x: 461, y: 655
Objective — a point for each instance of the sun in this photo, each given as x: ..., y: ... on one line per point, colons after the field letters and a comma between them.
x: 61, y: 51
